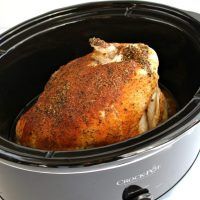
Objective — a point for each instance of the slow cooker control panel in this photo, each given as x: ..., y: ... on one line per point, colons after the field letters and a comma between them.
x: 135, y: 192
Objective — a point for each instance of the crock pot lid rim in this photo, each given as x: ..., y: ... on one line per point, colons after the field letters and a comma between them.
x: 113, y: 151
x: 74, y: 8
x: 46, y: 155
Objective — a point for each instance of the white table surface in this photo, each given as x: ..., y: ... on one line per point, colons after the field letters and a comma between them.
x: 13, y: 12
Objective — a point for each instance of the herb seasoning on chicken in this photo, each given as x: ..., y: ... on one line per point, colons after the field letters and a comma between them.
x: 104, y: 97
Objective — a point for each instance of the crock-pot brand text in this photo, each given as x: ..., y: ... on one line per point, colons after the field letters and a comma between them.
x: 140, y: 176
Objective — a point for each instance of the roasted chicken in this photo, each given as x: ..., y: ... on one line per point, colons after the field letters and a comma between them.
x: 107, y: 96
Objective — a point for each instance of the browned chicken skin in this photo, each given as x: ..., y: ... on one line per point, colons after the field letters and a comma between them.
x: 104, y: 97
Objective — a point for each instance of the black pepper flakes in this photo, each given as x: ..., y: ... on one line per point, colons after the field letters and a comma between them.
x: 138, y: 54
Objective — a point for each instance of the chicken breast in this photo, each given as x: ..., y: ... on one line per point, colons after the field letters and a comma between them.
x: 104, y: 97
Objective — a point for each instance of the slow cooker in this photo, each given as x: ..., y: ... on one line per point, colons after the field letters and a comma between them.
x: 141, y: 168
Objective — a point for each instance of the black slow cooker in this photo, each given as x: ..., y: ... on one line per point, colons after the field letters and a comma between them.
x: 141, y: 168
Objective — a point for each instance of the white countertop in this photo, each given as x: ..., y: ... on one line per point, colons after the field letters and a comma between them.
x: 13, y: 12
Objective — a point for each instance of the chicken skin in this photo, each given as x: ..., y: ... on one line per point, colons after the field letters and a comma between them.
x: 104, y: 97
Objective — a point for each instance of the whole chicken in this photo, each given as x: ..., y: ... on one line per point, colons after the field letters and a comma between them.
x: 107, y: 96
